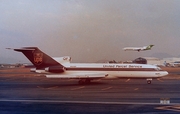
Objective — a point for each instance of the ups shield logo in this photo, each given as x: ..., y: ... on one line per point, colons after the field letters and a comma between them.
x: 38, y: 58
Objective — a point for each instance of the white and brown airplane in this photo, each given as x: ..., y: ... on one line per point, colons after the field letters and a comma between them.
x: 144, y: 48
x: 85, y: 72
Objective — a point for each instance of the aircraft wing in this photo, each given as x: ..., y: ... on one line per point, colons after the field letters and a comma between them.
x: 78, y: 76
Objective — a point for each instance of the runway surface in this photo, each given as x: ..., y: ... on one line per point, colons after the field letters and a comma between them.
x: 22, y: 92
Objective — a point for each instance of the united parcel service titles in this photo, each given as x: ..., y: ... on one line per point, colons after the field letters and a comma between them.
x: 122, y: 66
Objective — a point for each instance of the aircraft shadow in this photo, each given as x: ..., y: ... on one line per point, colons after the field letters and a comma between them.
x: 73, y: 84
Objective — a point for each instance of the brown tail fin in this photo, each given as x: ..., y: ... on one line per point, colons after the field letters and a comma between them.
x: 38, y: 58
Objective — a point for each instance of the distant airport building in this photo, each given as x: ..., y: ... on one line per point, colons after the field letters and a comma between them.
x: 1, y: 66
x: 171, y: 62
x: 153, y: 60
x: 148, y: 60
x: 11, y: 65
x: 140, y: 60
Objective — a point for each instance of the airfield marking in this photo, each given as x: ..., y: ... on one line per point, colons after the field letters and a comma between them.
x: 136, y: 89
x: 106, y: 88
x: 52, y: 87
x: 98, y: 80
x: 78, y: 88
x: 37, y: 75
x: 47, y: 87
x: 160, y: 80
x: 71, y: 80
x: 127, y: 80
x: 172, y: 108
x: 40, y: 87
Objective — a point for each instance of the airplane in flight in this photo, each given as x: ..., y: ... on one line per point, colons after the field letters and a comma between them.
x: 144, y: 48
x: 86, y: 72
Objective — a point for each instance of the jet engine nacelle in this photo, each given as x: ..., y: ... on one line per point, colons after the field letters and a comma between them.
x: 55, y: 69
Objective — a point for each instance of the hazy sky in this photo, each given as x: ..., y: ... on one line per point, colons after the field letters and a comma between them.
x: 89, y: 30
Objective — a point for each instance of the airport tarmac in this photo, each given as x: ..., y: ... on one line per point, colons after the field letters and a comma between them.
x: 23, y: 92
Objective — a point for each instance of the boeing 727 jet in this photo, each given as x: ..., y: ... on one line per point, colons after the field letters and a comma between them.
x: 138, y: 48
x: 85, y: 72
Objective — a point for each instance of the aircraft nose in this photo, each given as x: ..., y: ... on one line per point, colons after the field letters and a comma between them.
x: 165, y: 73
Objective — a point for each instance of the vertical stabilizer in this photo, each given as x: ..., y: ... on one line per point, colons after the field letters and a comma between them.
x: 149, y: 47
x: 37, y: 57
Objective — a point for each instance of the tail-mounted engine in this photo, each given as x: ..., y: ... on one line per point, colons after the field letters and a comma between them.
x: 55, y: 69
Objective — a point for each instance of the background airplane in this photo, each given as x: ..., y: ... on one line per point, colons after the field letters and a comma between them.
x: 86, y: 72
x: 138, y: 48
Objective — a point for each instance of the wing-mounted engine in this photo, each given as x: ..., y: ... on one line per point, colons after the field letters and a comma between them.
x: 55, y: 69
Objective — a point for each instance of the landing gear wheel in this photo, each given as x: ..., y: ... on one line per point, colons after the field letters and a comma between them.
x: 148, y: 81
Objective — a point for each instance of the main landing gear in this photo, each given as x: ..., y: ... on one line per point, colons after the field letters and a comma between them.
x: 84, y: 81
x: 149, y: 80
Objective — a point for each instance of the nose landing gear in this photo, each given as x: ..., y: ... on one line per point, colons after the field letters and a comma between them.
x: 149, y: 80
